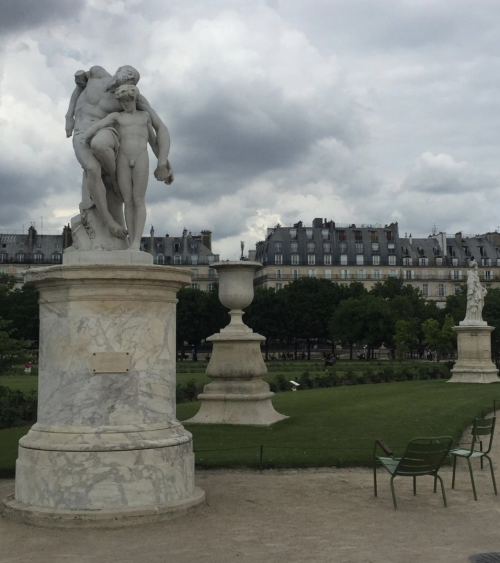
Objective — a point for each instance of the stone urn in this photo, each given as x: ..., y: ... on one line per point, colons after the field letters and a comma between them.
x: 237, y: 394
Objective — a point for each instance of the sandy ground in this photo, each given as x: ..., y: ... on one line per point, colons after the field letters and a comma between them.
x: 288, y: 516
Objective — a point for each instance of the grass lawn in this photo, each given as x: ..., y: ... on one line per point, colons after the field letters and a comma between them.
x: 327, y: 427
x: 24, y: 383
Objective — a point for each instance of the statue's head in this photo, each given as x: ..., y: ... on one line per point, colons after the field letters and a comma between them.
x: 127, y: 93
x: 124, y: 75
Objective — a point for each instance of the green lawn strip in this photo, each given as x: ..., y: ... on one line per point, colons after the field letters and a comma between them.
x: 338, y: 426
x: 8, y: 450
x: 24, y: 383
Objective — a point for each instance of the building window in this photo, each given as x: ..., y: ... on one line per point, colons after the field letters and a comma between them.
x: 278, y: 274
x: 195, y: 286
x: 408, y: 274
x: 373, y: 236
x: 310, y: 247
x: 454, y: 261
x: 441, y: 290
x: 294, y: 246
x: 311, y: 259
x: 441, y: 274
x: 295, y: 259
x: 160, y: 259
x: 376, y: 274
x: 392, y: 260
x: 278, y: 258
x: 392, y: 273
x: 375, y: 247
x: 498, y: 262
x: 327, y: 247
x: 293, y: 233
x: 20, y: 257
x: 295, y: 274
x: 456, y: 274
x: 488, y: 286
x: 194, y: 259
x: 328, y: 274
x: 343, y: 259
x: 391, y: 248
x: 456, y: 288
x: 425, y: 289
x: 325, y: 233
x: 485, y: 262
x: 37, y: 258
x: 358, y: 235
x: 359, y: 248
x: 344, y: 274
x: 177, y: 247
x: 209, y: 286
x: 312, y: 273
x: 56, y: 258
x: 177, y: 259
x: 279, y: 286
x: 309, y: 234
x: 343, y: 247
x: 376, y: 260
x: 360, y: 259
x: 423, y: 261
x: 211, y: 273
x: 327, y: 259
x: 439, y: 261
x: 406, y: 261
x: 278, y: 246
x: 341, y: 235
x: 3, y: 258
x: 361, y: 274
x: 389, y: 235
x: 195, y: 274
x: 424, y: 274
x: 488, y: 275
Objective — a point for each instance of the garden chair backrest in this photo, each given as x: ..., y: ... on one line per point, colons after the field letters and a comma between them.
x: 424, y: 456
x: 482, y: 428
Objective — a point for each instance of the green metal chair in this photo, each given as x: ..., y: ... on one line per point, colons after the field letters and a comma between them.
x: 483, y: 427
x: 423, y: 456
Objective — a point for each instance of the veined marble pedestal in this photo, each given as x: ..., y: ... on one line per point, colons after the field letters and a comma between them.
x: 237, y: 394
x: 107, y: 449
x: 474, y: 363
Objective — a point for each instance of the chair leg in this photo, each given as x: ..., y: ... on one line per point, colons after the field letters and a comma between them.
x: 492, y: 475
x: 375, y: 477
x: 442, y: 490
x: 472, y: 479
x: 393, y: 493
x: 435, y: 483
x: 454, y: 469
x: 414, y: 486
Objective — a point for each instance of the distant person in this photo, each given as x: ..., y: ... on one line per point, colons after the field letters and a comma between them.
x: 27, y: 368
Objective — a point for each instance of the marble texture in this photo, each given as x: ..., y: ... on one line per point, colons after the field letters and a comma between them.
x: 474, y: 363
x: 105, y: 441
x: 237, y: 394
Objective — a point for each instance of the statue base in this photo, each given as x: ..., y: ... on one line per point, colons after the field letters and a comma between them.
x: 89, y: 232
x: 107, y: 449
x: 474, y: 363
x: 237, y: 394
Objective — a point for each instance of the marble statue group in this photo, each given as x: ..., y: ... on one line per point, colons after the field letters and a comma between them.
x: 111, y: 124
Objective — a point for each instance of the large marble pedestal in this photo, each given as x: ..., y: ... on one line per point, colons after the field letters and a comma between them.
x: 107, y: 449
x: 474, y: 363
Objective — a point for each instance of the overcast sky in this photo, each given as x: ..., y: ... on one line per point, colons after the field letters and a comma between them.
x: 359, y: 111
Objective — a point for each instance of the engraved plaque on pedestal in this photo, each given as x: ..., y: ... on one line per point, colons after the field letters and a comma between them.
x: 110, y: 362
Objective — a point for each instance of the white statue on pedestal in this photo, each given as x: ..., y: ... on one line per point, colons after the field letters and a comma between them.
x: 475, y: 297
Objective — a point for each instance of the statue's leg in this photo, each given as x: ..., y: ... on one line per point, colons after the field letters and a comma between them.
x: 95, y: 184
x: 104, y: 147
x: 140, y: 174
x: 124, y: 173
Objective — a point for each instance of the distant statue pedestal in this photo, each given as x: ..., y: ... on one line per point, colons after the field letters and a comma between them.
x: 474, y: 363
x: 237, y: 394
x: 107, y: 449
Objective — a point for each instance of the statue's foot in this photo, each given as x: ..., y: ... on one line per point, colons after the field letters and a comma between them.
x: 117, y: 230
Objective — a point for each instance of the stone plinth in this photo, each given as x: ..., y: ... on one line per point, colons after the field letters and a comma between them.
x: 474, y: 363
x: 237, y: 394
x: 107, y: 449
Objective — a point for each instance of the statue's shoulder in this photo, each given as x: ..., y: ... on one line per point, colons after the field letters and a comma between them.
x: 98, y: 72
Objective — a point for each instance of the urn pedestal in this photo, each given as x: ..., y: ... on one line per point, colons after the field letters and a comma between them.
x: 474, y: 363
x: 237, y: 394
x: 107, y: 449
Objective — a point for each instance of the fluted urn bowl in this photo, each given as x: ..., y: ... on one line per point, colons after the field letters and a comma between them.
x: 236, y: 288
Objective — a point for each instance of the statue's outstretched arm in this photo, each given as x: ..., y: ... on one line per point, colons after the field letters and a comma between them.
x: 163, y: 172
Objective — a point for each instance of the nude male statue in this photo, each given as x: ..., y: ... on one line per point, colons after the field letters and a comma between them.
x: 136, y: 130
x: 92, y: 100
